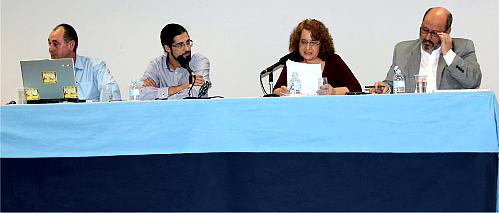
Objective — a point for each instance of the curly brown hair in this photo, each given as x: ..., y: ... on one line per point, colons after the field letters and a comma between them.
x: 319, y: 33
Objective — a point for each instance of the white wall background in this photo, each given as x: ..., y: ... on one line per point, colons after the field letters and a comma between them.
x: 241, y: 38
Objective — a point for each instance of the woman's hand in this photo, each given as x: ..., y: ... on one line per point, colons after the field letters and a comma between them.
x: 338, y: 90
x: 327, y: 89
x: 281, y: 91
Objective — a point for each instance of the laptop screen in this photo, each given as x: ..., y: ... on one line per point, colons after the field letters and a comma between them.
x: 49, y: 80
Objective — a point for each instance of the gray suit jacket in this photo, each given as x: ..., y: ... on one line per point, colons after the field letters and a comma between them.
x: 463, y: 73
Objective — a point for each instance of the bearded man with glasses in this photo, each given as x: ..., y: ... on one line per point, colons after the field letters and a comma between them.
x: 165, y: 78
x: 449, y: 63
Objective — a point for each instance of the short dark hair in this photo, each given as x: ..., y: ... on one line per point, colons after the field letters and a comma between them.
x: 69, y: 34
x: 449, y: 18
x: 169, y: 32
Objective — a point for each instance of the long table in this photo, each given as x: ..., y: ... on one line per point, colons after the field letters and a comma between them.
x: 406, y: 152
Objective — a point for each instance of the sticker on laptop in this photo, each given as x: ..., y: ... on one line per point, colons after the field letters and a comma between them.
x: 49, y: 77
x: 70, y: 92
x: 32, y: 94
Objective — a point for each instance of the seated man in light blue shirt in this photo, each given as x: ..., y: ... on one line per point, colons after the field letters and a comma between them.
x: 91, y: 74
x: 165, y: 78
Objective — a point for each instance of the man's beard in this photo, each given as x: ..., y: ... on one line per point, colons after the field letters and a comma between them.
x: 430, y: 48
x: 187, y: 58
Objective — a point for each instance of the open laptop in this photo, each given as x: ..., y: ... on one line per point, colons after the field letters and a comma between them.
x: 49, y: 80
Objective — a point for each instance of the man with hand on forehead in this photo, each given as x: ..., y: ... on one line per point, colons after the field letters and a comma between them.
x: 449, y: 63
x: 165, y: 78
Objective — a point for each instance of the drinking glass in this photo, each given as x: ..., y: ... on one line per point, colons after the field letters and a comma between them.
x: 420, y: 83
x: 322, y: 88
x: 107, y: 93
x: 21, y: 95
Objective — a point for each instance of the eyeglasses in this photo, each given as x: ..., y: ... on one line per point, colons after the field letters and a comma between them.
x: 182, y: 44
x: 312, y: 43
x: 425, y: 31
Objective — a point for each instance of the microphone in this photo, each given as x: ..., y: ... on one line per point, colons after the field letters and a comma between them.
x: 281, y: 61
x: 183, y: 62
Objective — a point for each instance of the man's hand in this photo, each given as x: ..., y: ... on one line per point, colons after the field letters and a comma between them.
x: 446, y: 42
x: 199, y: 80
x: 148, y: 82
x: 175, y: 89
x: 378, y: 89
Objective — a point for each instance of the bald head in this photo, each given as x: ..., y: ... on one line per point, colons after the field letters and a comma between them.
x: 438, y: 16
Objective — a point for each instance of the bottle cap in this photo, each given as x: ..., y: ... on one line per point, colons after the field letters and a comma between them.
x: 134, y: 80
x: 397, y: 70
x: 295, y: 73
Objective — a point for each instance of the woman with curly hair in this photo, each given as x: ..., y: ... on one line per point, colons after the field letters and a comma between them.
x: 312, y: 40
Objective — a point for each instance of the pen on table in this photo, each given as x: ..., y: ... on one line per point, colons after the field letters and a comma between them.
x: 368, y: 87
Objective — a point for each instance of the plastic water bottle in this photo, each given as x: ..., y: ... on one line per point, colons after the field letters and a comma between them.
x: 398, y: 81
x: 134, y: 90
x: 295, y: 83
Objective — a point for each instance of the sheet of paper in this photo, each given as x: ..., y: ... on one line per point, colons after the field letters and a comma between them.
x: 309, y: 75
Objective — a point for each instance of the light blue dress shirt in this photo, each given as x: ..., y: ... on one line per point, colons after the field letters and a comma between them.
x: 159, y: 71
x: 91, y: 75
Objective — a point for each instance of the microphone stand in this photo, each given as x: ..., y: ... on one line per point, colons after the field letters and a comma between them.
x: 192, y: 77
x: 271, y: 82
x: 270, y: 70
x: 191, y: 83
x: 183, y: 62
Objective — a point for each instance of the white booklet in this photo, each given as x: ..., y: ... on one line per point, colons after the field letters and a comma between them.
x: 309, y: 75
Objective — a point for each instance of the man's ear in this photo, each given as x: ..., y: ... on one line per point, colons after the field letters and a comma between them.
x: 448, y: 31
x: 167, y: 49
x: 72, y: 45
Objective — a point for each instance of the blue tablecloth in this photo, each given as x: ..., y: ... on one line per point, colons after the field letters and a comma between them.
x: 406, y: 123
x: 407, y: 152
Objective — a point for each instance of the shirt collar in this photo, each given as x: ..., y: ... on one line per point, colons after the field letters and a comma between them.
x: 166, y: 62
x: 78, y: 63
x: 434, y: 53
